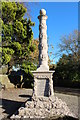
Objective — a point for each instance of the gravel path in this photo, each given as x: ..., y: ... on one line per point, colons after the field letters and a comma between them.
x: 72, y: 102
x: 12, y: 99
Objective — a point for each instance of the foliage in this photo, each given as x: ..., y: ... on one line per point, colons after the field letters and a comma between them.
x: 67, y: 72
x: 17, y: 34
x: 69, y: 44
x: 23, y: 78
x: 27, y: 67
x: 34, y: 55
x: 7, y: 52
x: 28, y: 76
x: 67, y: 69
x: 52, y: 66
x: 17, y: 42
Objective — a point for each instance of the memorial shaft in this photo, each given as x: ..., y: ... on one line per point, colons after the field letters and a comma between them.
x: 43, y: 47
x: 43, y: 83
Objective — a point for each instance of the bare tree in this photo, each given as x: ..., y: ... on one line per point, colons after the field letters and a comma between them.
x: 69, y: 44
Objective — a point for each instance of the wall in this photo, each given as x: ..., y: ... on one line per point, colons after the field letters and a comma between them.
x: 5, y: 81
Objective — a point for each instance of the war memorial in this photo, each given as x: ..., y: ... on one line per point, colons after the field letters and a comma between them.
x: 43, y: 104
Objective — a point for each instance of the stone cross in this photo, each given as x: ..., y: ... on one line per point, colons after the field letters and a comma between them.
x: 43, y: 47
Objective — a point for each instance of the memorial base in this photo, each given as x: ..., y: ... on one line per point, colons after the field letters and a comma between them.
x: 43, y: 107
x: 43, y: 103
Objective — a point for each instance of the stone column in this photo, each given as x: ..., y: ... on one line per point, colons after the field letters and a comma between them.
x: 43, y: 47
x: 43, y: 83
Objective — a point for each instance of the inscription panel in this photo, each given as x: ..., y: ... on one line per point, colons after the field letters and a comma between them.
x: 43, y: 87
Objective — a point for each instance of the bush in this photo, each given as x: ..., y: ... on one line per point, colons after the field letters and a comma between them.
x: 67, y: 73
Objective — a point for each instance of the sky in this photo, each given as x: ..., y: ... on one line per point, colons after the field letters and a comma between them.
x: 62, y: 20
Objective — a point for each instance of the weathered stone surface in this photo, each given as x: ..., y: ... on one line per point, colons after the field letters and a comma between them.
x: 43, y: 83
x: 43, y: 47
x: 44, y: 107
x: 29, y: 104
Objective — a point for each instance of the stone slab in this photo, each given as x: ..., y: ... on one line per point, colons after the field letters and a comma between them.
x: 42, y: 87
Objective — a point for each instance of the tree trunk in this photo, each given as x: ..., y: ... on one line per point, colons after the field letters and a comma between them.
x: 9, y: 68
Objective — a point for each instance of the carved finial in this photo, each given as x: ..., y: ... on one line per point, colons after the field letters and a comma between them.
x: 42, y: 12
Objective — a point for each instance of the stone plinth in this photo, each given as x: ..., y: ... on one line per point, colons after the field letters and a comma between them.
x: 43, y: 83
